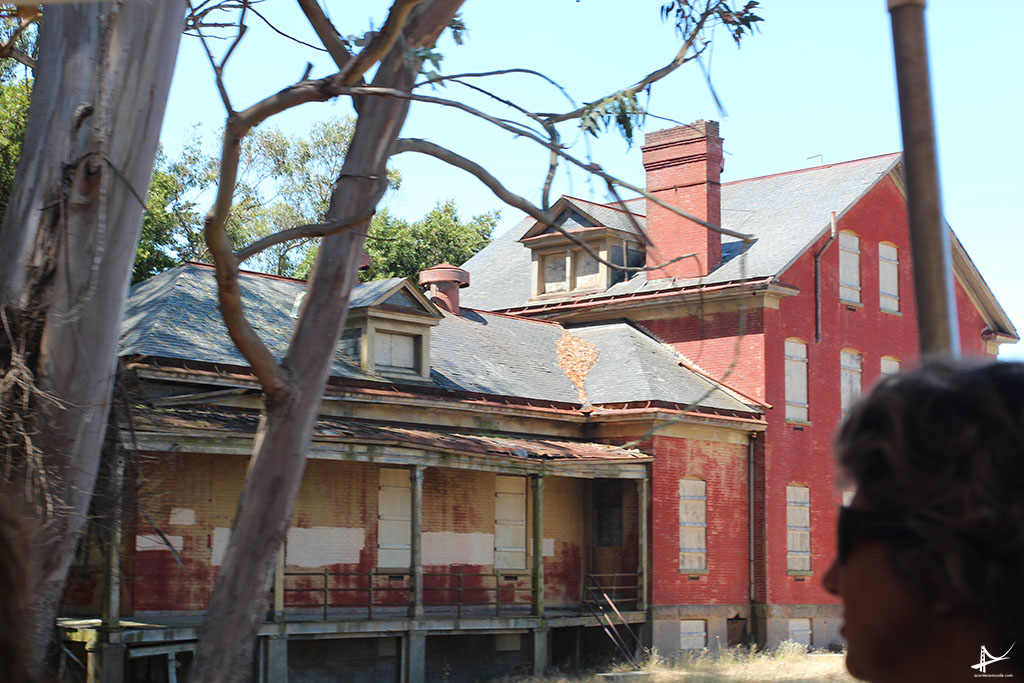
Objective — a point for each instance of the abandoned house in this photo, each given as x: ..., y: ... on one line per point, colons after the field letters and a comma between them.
x: 540, y: 460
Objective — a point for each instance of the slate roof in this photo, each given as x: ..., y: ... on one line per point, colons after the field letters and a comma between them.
x: 785, y: 213
x: 175, y: 316
x: 633, y: 364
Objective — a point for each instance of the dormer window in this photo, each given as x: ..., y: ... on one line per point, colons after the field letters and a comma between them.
x: 388, y: 330
x: 395, y: 352
x: 563, y: 266
x: 554, y: 273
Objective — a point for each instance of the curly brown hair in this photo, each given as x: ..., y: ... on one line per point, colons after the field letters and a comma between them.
x: 942, y: 449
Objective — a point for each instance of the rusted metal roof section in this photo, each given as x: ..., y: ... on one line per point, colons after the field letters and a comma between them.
x: 212, y: 423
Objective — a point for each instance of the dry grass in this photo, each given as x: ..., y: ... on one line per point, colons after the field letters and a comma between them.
x: 789, y: 663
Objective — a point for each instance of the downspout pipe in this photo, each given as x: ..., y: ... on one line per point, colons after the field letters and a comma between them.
x: 817, y: 279
x: 929, y: 239
x: 750, y: 521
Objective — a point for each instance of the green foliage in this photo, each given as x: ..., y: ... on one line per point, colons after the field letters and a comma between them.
x: 159, y: 223
x: 14, y: 101
x: 620, y: 111
x: 686, y: 14
x: 398, y: 248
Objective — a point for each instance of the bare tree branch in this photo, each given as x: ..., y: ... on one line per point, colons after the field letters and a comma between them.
x: 218, y: 72
x: 381, y: 43
x: 546, y: 217
x: 315, y: 229
x: 527, y: 133
x: 282, y: 33
x: 650, y: 78
x: 497, y: 72
x: 326, y: 32
x: 8, y: 49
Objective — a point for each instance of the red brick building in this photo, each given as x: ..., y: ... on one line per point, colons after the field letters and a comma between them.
x: 494, y: 465
x: 805, y: 302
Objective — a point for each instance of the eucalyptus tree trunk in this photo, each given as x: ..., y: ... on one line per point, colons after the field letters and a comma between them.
x: 67, y: 244
x: 239, y: 601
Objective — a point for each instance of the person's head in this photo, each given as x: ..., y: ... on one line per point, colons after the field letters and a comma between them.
x: 931, y: 561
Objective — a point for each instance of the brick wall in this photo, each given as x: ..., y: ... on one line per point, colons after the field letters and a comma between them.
x: 723, y: 466
x: 710, y: 341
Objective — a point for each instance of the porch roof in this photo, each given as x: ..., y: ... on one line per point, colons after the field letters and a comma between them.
x: 223, y: 430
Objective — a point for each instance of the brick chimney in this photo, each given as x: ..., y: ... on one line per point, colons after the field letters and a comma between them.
x: 684, y: 168
x: 445, y: 280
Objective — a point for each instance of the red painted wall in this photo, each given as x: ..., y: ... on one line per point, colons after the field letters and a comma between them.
x: 709, y: 341
x: 789, y: 453
x: 723, y: 466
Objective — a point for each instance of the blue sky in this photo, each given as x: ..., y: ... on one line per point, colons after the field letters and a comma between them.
x: 815, y: 85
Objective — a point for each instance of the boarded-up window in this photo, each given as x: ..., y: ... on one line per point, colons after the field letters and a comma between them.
x: 796, y: 380
x: 693, y: 540
x: 395, y: 351
x: 890, y: 366
x: 798, y: 528
x: 510, y: 522
x: 394, y: 518
x: 849, y: 267
x: 888, y: 278
x: 848, y: 497
x: 849, y: 380
x: 693, y: 634
x: 586, y: 270
x: 800, y: 631
x: 553, y: 274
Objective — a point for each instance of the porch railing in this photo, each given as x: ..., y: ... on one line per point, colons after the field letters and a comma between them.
x: 383, y: 592
x: 623, y: 590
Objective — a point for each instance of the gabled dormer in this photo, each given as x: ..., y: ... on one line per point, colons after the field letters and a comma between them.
x: 562, y: 267
x: 388, y: 329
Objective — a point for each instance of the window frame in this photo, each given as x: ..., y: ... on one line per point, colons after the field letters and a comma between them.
x: 797, y: 557
x: 700, y: 552
x: 796, y: 410
x: 884, y: 264
x: 392, y: 481
x: 847, y: 369
x: 849, y: 267
x: 692, y: 635
x: 889, y: 360
x: 503, y: 489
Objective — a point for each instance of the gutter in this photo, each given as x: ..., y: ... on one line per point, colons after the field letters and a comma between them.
x: 817, y: 279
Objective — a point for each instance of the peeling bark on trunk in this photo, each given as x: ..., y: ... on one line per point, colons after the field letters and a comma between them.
x: 239, y: 600
x: 67, y: 245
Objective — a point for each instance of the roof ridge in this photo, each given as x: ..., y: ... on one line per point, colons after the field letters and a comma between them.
x: 603, y: 206
x: 241, y: 271
x: 513, y: 316
x: 812, y: 168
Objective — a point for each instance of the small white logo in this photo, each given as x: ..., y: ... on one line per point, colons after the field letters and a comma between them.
x: 987, y: 658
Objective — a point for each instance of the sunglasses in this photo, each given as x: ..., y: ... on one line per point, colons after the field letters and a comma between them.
x: 856, y: 524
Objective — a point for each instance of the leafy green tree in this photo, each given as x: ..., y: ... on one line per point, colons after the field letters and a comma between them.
x: 159, y: 223
x: 399, y: 248
x: 14, y: 99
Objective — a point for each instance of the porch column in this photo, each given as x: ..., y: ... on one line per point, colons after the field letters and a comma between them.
x: 537, y: 483
x: 416, y: 542
x: 415, y: 657
x: 277, y: 659
x: 540, y: 651
x: 105, y: 655
x: 642, y: 504
x: 279, y: 586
